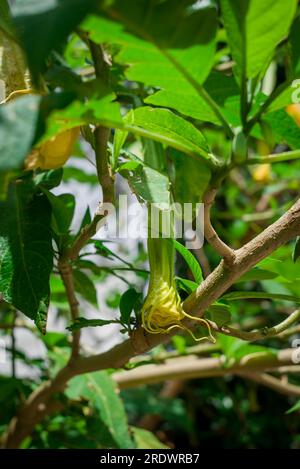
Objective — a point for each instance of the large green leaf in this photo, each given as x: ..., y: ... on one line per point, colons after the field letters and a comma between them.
x: 63, y: 206
x: 167, y: 127
x: 161, y: 125
x: 254, y: 29
x: 222, y: 88
x: 44, y: 26
x: 152, y: 42
x: 18, y: 121
x: 100, y: 390
x: 26, y: 251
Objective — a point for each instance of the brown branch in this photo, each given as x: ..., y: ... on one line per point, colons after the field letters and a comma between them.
x: 271, y: 382
x: 193, y: 367
x: 279, y: 233
x: 66, y: 273
x: 105, y: 176
x: 210, y: 234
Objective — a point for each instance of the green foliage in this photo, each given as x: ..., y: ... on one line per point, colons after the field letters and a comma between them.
x: 99, y: 390
x: 254, y: 31
x: 82, y: 322
x: 190, y: 260
x: 26, y: 251
x: 155, y: 55
x: 194, y: 93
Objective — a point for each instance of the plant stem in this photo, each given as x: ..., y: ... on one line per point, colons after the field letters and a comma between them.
x: 264, y: 333
x: 276, y: 158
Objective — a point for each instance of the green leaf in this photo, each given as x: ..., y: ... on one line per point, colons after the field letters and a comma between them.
x: 222, y: 88
x: 26, y: 251
x: 101, y: 392
x: 128, y: 302
x: 120, y: 137
x: 284, y: 128
x: 48, y: 179
x: 63, y: 207
x: 186, y: 285
x: 257, y: 274
x: 158, y: 45
x: 296, y: 252
x: 219, y: 313
x: 5, y: 19
x: 130, y: 166
x: 254, y: 30
x: 146, y: 440
x: 295, y: 47
x: 80, y: 323
x: 18, y: 121
x: 190, y: 260
x: 166, y: 127
x: 235, y: 349
x: 100, y: 108
x: 294, y: 408
x: 44, y: 26
x: 148, y: 184
x: 154, y: 155
x: 242, y: 295
x: 85, y: 287
x: 52, y: 339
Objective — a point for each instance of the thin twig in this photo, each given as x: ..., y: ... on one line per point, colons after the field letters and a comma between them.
x: 275, y: 158
x: 264, y: 333
x: 211, y: 236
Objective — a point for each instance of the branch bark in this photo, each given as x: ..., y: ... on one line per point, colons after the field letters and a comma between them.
x: 264, y: 333
x: 194, y: 367
x: 273, y: 383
